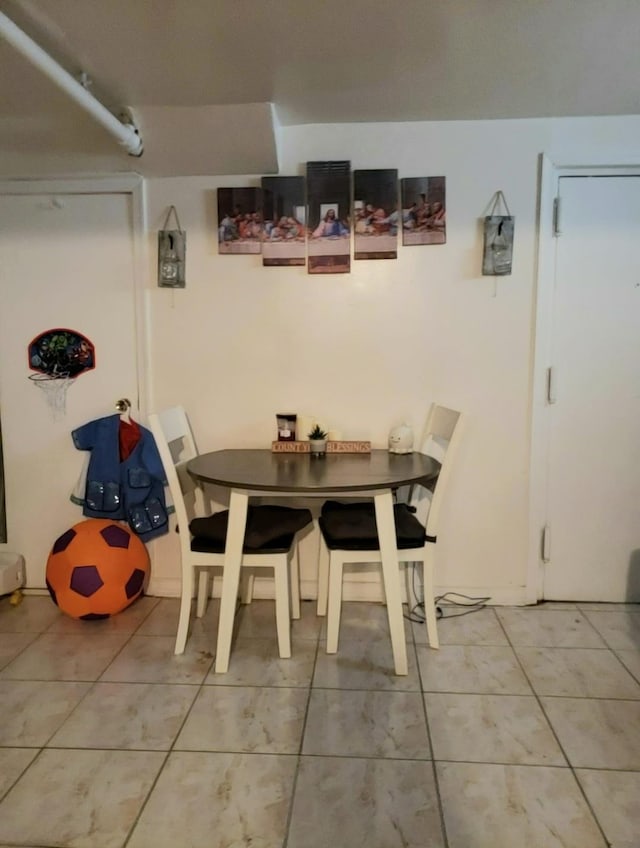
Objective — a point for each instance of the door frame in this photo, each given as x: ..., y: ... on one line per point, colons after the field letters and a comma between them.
x: 132, y: 184
x: 552, y: 168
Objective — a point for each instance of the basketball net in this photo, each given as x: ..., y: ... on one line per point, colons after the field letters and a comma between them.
x: 54, y: 388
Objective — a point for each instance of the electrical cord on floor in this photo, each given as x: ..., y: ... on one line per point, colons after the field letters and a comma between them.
x: 416, y: 612
x: 471, y: 604
x: 448, y: 599
x: 415, y: 615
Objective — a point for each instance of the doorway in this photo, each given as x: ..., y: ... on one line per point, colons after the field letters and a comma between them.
x: 586, y: 419
x: 68, y: 259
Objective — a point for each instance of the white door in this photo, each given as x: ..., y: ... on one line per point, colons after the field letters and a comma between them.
x: 66, y: 261
x: 593, y: 495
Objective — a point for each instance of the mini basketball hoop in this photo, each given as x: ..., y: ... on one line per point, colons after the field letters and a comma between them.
x: 54, y: 388
x: 58, y: 356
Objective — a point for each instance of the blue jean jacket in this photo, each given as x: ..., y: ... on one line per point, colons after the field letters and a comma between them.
x: 131, y: 490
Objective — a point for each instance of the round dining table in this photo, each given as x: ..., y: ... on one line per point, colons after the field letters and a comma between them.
x: 259, y: 472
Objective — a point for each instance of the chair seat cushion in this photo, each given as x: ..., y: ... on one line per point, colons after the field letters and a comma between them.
x: 281, y: 545
x: 352, y: 527
x: 269, y: 528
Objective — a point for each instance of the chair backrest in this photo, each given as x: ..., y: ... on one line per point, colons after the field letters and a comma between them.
x: 439, y: 440
x: 176, y: 446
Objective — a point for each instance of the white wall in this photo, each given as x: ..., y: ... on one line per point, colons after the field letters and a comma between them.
x: 242, y: 342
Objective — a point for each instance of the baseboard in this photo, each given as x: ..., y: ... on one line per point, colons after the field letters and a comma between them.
x: 165, y: 588
x: 354, y: 590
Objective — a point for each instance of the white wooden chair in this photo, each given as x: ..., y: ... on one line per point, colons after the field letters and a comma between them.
x: 349, y: 532
x: 205, y: 550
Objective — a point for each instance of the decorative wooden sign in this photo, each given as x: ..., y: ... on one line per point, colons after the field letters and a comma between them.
x: 332, y: 447
x: 290, y: 447
x: 348, y: 447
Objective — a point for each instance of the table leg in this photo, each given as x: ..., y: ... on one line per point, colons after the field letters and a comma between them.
x: 231, y: 576
x: 391, y: 576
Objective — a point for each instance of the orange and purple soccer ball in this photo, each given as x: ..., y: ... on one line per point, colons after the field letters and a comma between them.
x: 96, y: 569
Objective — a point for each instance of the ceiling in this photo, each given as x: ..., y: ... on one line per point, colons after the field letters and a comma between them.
x: 208, y: 81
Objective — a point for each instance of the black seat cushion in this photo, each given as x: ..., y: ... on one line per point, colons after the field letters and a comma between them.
x: 269, y: 528
x: 281, y: 545
x: 352, y: 527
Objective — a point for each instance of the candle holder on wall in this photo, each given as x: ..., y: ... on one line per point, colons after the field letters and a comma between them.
x: 172, y: 250
x: 498, y: 240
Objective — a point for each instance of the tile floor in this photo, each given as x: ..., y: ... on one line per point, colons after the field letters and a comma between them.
x: 523, y: 731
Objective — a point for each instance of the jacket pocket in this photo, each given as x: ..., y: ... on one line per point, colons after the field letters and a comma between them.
x: 103, y: 496
x: 151, y: 515
x: 139, y: 478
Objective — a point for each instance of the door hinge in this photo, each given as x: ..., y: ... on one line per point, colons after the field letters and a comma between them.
x: 545, y: 544
x: 556, y: 216
x: 551, y: 386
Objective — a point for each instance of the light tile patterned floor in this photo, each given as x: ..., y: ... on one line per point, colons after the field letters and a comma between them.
x: 523, y: 730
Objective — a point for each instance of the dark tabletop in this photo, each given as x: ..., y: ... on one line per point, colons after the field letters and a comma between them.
x: 300, y: 472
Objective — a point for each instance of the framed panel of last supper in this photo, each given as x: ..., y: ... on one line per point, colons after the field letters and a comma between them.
x: 375, y: 214
x: 328, y: 217
x: 423, y: 210
x: 285, y: 234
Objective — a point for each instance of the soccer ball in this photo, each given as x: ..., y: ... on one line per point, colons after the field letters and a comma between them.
x: 96, y: 569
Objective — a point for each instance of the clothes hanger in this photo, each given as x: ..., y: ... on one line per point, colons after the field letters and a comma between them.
x: 123, y: 406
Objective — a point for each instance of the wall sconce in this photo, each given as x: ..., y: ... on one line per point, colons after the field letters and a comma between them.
x: 498, y: 240
x: 172, y: 252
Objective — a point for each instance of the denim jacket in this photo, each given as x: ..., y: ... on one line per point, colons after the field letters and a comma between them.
x: 131, y: 490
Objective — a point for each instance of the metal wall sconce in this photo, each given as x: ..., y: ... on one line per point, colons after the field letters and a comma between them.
x: 172, y: 252
x: 498, y: 240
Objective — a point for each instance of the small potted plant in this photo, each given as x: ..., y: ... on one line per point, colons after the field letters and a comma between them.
x: 318, y: 441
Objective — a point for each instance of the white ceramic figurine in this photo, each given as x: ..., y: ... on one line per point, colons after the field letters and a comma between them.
x: 401, y: 439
